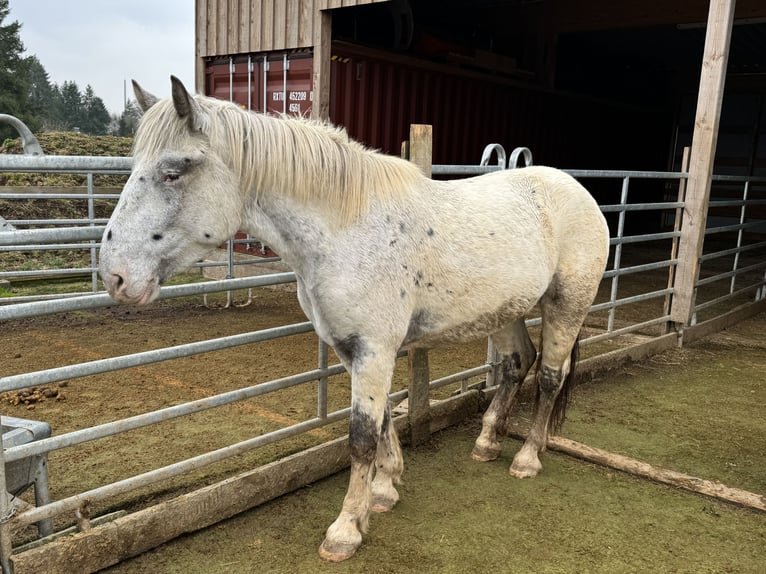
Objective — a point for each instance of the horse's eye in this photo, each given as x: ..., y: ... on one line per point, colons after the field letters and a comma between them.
x: 170, y: 177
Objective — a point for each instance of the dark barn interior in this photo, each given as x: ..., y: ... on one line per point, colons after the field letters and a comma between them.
x: 585, y: 83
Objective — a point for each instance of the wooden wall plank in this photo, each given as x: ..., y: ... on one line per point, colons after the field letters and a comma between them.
x: 292, y: 22
x: 244, y: 26
x: 267, y: 25
x: 279, y: 17
x: 306, y: 11
x: 232, y: 26
x: 256, y: 45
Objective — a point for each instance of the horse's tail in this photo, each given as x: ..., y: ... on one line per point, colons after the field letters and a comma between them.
x: 562, y: 400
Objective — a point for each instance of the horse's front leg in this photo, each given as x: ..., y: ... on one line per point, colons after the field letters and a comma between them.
x: 371, y: 373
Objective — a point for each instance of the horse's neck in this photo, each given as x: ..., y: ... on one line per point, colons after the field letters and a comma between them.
x: 295, y: 231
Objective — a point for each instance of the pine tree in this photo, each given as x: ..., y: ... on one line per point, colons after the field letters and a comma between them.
x: 95, y: 116
x: 13, y: 81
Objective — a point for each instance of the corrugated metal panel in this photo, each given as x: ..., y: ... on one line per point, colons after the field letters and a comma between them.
x: 241, y: 79
x: 377, y: 95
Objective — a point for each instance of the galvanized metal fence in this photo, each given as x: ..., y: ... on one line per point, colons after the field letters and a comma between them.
x: 634, y: 307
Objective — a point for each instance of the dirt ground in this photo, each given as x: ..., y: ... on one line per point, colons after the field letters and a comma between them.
x: 697, y: 410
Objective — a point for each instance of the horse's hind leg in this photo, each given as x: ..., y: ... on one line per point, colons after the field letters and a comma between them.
x: 371, y: 370
x: 562, y: 320
x: 518, y: 355
x: 389, y: 466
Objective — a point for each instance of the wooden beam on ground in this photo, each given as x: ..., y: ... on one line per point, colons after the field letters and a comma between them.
x: 662, y: 475
x: 704, y: 140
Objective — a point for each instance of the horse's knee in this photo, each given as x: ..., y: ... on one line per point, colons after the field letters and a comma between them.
x: 363, y: 436
x: 549, y: 380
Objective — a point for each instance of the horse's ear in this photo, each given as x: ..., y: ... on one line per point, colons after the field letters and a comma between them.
x: 184, y: 103
x: 145, y: 99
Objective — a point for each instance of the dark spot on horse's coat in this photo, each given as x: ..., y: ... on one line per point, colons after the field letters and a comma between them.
x: 549, y: 379
x: 362, y: 435
x: 109, y: 235
x: 157, y: 236
x: 420, y: 323
x: 392, y: 243
x: 142, y: 178
x: 430, y: 285
x: 404, y: 266
x: 349, y: 348
x: 402, y: 226
x: 372, y: 399
x: 430, y: 232
x: 418, y: 278
x: 491, y: 233
x: 402, y: 293
x: 207, y: 236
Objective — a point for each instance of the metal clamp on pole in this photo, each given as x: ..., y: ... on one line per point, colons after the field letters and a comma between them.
x: 487, y: 155
x: 513, y: 162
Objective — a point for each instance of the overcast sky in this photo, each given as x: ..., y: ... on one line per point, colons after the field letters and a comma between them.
x: 105, y: 42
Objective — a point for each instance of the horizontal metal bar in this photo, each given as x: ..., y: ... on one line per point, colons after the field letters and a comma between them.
x: 624, y: 330
x: 642, y: 238
x: 641, y: 206
x: 75, y: 222
x: 739, y: 178
x: 71, y: 503
x: 610, y: 173
x: 461, y: 376
x: 732, y: 295
x: 24, y: 380
x: 463, y: 169
x: 53, y: 235
x: 735, y: 202
x: 732, y: 251
x: 26, y: 310
x: 65, y: 164
x: 108, y: 429
x: 609, y: 273
x: 49, y: 247
x: 735, y: 227
x: 630, y: 300
x: 46, y: 273
x: 48, y: 196
x: 732, y: 273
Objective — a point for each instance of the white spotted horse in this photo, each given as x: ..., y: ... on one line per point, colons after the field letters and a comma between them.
x: 385, y: 259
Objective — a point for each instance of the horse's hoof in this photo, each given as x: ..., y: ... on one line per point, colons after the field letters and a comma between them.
x: 382, y: 503
x: 485, y: 454
x: 529, y: 471
x: 336, y: 552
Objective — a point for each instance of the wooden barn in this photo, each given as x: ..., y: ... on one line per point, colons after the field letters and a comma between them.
x: 583, y: 83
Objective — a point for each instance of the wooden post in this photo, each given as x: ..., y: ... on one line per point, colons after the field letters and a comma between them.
x: 320, y: 108
x: 712, y: 79
x: 420, y: 149
x: 670, y: 326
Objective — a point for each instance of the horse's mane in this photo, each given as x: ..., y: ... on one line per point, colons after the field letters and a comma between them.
x: 306, y: 159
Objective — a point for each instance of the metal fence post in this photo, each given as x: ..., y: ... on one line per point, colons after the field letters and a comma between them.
x: 421, y: 143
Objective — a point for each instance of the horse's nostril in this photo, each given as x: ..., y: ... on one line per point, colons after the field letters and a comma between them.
x: 118, y: 283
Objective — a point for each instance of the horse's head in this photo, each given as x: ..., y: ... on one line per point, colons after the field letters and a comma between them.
x: 181, y: 201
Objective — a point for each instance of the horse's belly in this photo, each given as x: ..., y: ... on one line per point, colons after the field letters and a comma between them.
x: 431, y: 327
